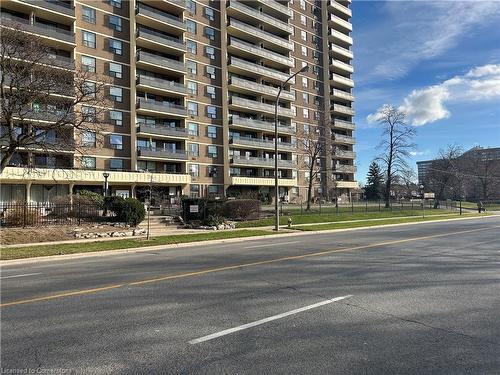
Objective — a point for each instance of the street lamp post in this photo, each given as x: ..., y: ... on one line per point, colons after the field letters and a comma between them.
x: 105, y: 175
x: 423, y: 201
x: 276, y: 186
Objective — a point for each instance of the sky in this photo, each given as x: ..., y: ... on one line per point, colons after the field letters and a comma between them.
x: 439, y: 62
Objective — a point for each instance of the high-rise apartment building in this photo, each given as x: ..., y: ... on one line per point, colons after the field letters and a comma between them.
x: 193, y: 87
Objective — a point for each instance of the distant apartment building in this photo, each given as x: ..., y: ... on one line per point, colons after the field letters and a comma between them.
x: 193, y: 87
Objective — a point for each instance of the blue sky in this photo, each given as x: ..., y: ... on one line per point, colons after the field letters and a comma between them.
x: 437, y: 60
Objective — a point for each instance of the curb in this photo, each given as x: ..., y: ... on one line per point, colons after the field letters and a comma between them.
x: 211, y: 242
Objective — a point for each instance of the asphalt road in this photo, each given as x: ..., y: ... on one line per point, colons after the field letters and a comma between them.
x: 415, y: 299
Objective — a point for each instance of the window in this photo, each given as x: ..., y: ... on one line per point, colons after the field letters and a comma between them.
x: 88, y: 139
x: 89, y: 114
x: 305, y: 97
x: 115, y: 23
x: 306, y: 129
x: 212, y: 131
x: 191, y: 47
x: 304, y: 50
x: 115, y: 46
x: 194, y: 170
x: 294, y: 110
x: 212, y: 171
x: 209, y: 13
x: 192, y: 88
x: 116, y: 141
x: 115, y: 3
x: 210, y: 70
x: 88, y: 14
x: 211, y: 111
x: 303, y: 35
x: 88, y: 162
x: 210, y: 52
x: 89, y: 89
x: 304, y: 82
x: 116, y: 117
x: 191, y: 6
x: 116, y: 164
x: 191, y: 26
x: 315, y: 67
x: 316, y: 55
x: 88, y: 39
x: 212, y: 151
x: 192, y: 128
x: 303, y: 20
x: 192, y: 109
x: 194, y: 149
x: 116, y: 94
x: 115, y: 70
x: 192, y: 67
x: 209, y: 32
x: 211, y: 92
x: 213, y: 189
x: 303, y: 4
x: 305, y: 113
x: 194, y: 191
x: 146, y: 166
x: 88, y: 64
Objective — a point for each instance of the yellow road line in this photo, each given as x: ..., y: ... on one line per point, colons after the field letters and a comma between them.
x: 227, y: 268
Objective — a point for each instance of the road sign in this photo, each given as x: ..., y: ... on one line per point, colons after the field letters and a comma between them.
x: 429, y: 195
x: 193, y: 208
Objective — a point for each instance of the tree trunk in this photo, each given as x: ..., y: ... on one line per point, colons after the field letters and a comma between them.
x: 6, y: 156
x: 309, y: 193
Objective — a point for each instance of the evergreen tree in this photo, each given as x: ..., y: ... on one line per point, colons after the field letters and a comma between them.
x: 374, y: 181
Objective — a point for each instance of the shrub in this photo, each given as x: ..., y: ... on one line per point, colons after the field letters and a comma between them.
x: 242, y: 209
x: 21, y: 215
x: 113, y: 203
x: 214, y: 220
x: 90, y: 197
x: 129, y: 210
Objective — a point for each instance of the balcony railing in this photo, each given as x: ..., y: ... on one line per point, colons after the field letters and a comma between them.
x: 163, y: 130
x: 261, y: 181
x: 256, y: 106
x: 162, y: 153
x: 164, y: 62
x: 342, y: 65
x: 252, y: 49
x: 341, y: 50
x: 337, y: 78
x: 343, y: 109
x: 57, y: 6
x: 341, y: 36
x: 343, y: 139
x: 345, y: 24
x: 343, y: 124
x: 344, y: 168
x: 345, y: 154
x: 335, y: 5
x: 258, y: 33
x: 261, y: 162
x: 162, y: 84
x: 161, y: 38
x: 260, y: 88
x: 342, y: 95
x: 164, y: 107
x: 259, y: 70
x: 277, y: 6
x: 262, y: 17
x: 261, y: 143
x: 145, y: 10
x: 38, y: 28
x: 259, y: 125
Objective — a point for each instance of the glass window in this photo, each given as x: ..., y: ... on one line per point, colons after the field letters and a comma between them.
x: 88, y: 14
x: 116, y: 94
x: 194, y: 149
x: 305, y: 97
x: 89, y: 114
x: 115, y: 3
x: 303, y: 35
x: 192, y: 128
x: 191, y: 26
x: 194, y: 170
x: 305, y: 113
x: 209, y: 32
x: 89, y: 89
x: 304, y: 50
x: 194, y: 191
x: 212, y: 151
x: 211, y: 111
x: 115, y: 70
x: 191, y: 67
x: 192, y: 108
x: 210, y: 52
x: 115, y: 23
x: 88, y: 162
x: 116, y: 117
x: 115, y: 46
x: 304, y: 82
x: 212, y: 131
x: 191, y: 47
x: 303, y: 19
x: 116, y: 141
x: 88, y: 64
x: 211, y: 92
x: 191, y: 6
x: 209, y: 14
x: 143, y: 165
x: 303, y: 4
x: 210, y: 70
x: 212, y: 171
x: 88, y: 39
x: 89, y: 139
x: 192, y: 88
x: 116, y: 164
x: 213, y: 189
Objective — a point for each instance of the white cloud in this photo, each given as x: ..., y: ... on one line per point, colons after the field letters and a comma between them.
x: 428, y: 105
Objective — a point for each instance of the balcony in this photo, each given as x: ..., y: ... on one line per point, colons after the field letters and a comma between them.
x: 255, y: 161
x: 151, y: 39
x: 242, y: 10
x: 338, y: 80
x: 340, y: 65
x: 178, y: 5
x: 146, y: 14
x: 344, y: 154
x: 338, y: 37
x: 335, y: 21
x: 342, y: 109
x: 274, y: 5
x: 165, y: 108
x: 248, y: 105
x: 60, y: 62
x: 55, y: 6
x: 270, y: 57
x: 343, y: 139
x: 339, y: 8
x: 160, y: 85
x: 343, y: 124
x: 261, y: 143
x: 239, y: 84
x: 345, y: 52
x: 262, y: 181
x: 238, y: 66
x: 248, y: 123
x: 253, y: 33
x: 150, y: 152
x: 164, y: 131
x: 160, y: 63
x: 342, y: 168
x: 342, y: 95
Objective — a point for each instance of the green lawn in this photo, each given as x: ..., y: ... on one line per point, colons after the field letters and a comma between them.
x: 473, y: 205
x: 322, y: 218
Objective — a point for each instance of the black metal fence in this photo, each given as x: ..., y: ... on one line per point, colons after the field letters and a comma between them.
x: 37, y: 215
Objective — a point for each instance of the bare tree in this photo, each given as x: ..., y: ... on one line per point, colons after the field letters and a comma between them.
x: 443, y: 175
x: 396, y: 144
x: 45, y: 105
